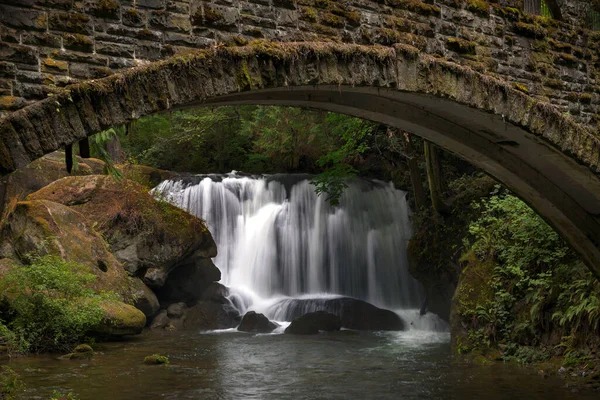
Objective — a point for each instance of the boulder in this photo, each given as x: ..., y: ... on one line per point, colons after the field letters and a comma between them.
x: 354, y: 313
x: 215, y: 292
x: 187, y: 282
x: 253, y: 322
x: 313, y: 322
x: 161, y: 320
x: 81, y: 352
x: 43, y: 227
x: 150, y: 237
x: 144, y: 299
x: 120, y: 319
x: 46, y: 170
x: 176, y: 310
x: 208, y: 315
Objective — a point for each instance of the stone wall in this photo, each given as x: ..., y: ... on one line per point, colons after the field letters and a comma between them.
x: 47, y: 44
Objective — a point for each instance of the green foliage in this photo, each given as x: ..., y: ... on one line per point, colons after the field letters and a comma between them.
x: 98, y: 144
x: 537, y: 284
x: 253, y: 139
x: 351, y: 134
x: 10, y: 383
x: 51, y: 306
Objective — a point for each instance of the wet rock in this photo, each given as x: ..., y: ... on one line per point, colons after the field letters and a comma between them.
x: 81, y: 352
x: 215, y: 292
x: 188, y: 281
x: 161, y: 320
x: 253, y: 322
x: 314, y: 322
x: 208, y: 315
x: 354, y: 313
x: 176, y: 310
x: 156, y: 359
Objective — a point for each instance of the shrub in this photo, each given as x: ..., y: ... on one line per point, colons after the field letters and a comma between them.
x: 534, y: 285
x: 51, y: 306
x: 10, y: 383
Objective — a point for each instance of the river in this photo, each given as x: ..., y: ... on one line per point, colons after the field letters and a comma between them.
x: 233, y: 365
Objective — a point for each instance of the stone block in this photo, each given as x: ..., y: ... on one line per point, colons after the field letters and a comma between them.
x: 55, y: 66
x: 154, y: 4
x: 22, y: 18
x: 75, y: 22
x: 18, y: 53
x: 115, y: 49
x: 44, y: 39
x: 134, y: 17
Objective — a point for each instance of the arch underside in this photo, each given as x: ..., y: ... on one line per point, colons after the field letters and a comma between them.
x: 542, y: 156
x: 564, y: 192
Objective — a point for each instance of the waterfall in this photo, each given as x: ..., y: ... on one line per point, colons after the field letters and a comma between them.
x: 276, y: 237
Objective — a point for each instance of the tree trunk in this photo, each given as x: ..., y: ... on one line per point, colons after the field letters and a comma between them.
x: 434, y: 178
x: 415, y: 174
x: 84, y: 148
x: 114, y: 150
x: 69, y: 157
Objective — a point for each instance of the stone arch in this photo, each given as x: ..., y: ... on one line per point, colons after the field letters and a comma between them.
x: 542, y: 155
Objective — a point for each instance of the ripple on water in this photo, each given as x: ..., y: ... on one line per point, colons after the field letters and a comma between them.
x: 229, y: 365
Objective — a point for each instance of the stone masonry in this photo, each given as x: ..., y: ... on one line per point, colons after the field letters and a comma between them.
x: 48, y: 44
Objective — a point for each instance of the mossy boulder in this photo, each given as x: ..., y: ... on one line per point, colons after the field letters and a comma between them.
x: 150, y: 237
x: 43, y: 227
x: 44, y: 171
x: 120, y: 319
x: 81, y: 352
x: 156, y: 359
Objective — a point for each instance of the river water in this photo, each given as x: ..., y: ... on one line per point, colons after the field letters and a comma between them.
x: 234, y: 365
x: 278, y: 241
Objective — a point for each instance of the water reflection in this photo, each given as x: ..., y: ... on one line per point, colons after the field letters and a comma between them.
x: 234, y: 365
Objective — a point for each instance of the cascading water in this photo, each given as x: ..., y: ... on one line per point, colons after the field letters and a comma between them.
x: 276, y: 237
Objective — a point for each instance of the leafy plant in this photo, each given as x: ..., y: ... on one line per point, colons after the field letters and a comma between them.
x: 10, y: 383
x: 536, y: 284
x: 51, y: 304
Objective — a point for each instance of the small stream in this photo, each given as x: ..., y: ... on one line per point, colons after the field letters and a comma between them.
x: 234, y: 365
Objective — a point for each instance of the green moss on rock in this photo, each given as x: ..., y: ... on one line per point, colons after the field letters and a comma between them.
x: 156, y: 359
x: 460, y: 45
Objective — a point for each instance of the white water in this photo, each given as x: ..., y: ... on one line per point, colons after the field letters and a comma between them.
x: 277, y: 238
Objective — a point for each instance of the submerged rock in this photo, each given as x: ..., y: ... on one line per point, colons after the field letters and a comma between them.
x: 253, y: 322
x: 354, y: 313
x: 81, y: 352
x: 156, y: 359
x: 314, y: 322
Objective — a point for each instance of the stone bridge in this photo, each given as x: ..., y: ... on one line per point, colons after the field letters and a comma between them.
x: 515, y: 94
